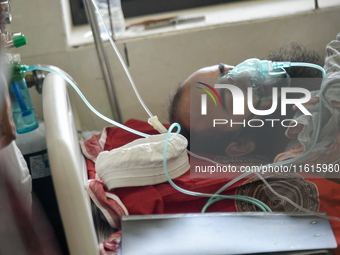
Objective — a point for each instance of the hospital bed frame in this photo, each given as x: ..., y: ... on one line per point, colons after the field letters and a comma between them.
x: 68, y: 168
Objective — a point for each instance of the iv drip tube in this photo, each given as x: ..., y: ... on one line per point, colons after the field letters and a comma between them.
x: 122, y: 62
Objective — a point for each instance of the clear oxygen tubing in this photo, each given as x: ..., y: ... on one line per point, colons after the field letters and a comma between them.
x: 250, y: 200
x: 70, y: 80
x: 289, y: 161
x: 122, y: 61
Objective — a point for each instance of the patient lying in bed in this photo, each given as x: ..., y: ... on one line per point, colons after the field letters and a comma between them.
x: 315, y: 194
x: 268, y: 141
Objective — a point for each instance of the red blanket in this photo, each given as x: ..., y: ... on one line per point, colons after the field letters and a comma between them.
x: 317, y: 194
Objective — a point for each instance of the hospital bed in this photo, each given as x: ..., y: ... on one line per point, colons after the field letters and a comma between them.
x: 69, y: 173
x: 68, y: 168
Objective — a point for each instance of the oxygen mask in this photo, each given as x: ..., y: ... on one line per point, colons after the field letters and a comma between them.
x: 260, y: 75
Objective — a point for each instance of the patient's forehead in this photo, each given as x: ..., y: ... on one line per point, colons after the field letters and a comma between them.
x: 184, y: 101
x: 205, y: 72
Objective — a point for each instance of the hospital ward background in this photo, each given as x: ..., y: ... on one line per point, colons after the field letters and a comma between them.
x: 197, y: 127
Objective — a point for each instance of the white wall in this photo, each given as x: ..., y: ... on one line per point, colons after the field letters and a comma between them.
x: 157, y: 63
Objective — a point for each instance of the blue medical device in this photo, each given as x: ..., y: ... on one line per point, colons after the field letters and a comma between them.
x: 24, y: 116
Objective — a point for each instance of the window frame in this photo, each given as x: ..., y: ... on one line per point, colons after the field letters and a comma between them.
x: 135, y: 8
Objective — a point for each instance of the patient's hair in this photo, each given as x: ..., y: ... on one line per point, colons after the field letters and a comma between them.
x: 293, y: 52
x: 173, y: 109
x: 296, y: 52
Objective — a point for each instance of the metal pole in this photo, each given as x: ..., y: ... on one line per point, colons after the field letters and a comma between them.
x: 104, y: 63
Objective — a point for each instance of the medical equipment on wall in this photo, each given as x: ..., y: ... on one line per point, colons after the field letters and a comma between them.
x: 31, y: 137
x: 24, y: 116
x: 23, y: 112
